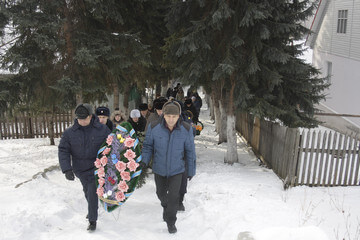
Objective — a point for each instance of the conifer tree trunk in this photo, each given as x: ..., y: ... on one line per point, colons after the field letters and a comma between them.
x: 223, y: 122
x: 231, y: 153
x: 126, y: 102
x: 164, y: 87
x: 116, y: 95
x: 209, y: 101
x: 51, y: 128
x: 215, y: 95
x: 222, y: 107
x: 217, y: 115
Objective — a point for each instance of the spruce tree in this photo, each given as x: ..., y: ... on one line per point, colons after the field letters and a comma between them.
x: 248, y: 46
x: 73, y: 49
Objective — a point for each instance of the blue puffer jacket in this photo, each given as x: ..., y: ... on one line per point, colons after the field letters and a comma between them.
x: 79, y: 145
x: 170, y: 149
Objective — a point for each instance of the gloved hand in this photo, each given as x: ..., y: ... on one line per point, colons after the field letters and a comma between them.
x: 69, y: 175
x: 142, y: 165
x: 190, y: 178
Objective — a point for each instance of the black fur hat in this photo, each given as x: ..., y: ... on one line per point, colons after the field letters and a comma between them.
x: 103, y: 111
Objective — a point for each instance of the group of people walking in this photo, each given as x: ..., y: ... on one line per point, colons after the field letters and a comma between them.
x: 168, y: 144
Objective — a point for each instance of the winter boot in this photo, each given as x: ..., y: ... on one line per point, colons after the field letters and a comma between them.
x: 181, y: 206
x: 171, y: 228
x: 92, y: 226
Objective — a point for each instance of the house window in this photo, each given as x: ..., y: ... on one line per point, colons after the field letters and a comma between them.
x: 342, y: 21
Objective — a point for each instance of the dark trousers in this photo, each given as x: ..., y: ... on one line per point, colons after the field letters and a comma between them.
x: 167, y: 190
x: 184, y: 182
x: 183, y: 186
x: 87, y: 180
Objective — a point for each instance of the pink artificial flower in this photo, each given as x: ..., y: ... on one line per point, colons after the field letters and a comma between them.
x: 120, y: 166
x: 97, y: 163
x: 101, y: 181
x: 122, y: 186
x: 109, y: 140
x: 106, y: 151
x: 103, y: 160
x: 120, y: 196
x: 129, y: 142
x: 130, y: 154
x: 101, y: 172
x: 125, y: 176
x: 100, y: 191
x: 132, y: 165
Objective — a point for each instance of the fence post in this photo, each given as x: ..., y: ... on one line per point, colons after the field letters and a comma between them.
x: 255, y: 139
x: 293, y: 157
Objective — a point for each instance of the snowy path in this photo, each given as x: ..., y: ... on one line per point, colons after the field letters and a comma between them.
x: 222, y: 201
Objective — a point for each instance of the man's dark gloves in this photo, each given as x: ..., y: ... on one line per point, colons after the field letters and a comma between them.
x: 190, y: 178
x: 69, y: 175
x: 142, y: 165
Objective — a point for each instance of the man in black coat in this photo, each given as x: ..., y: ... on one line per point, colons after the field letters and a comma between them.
x: 78, y: 149
x: 103, y: 113
x: 189, y: 106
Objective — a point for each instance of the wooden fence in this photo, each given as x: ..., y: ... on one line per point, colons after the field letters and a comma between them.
x: 303, y: 157
x: 26, y: 125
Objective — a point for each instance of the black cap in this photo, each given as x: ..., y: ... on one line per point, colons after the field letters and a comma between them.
x: 188, y: 101
x: 159, y: 103
x: 103, y: 111
x: 83, y: 110
x: 143, y: 107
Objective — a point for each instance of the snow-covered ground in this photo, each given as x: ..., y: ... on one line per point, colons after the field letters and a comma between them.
x: 242, y: 201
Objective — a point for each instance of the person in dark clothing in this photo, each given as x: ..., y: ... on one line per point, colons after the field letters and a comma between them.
x: 158, y: 105
x: 137, y: 121
x: 189, y: 106
x: 144, y: 110
x: 176, y: 90
x: 103, y: 113
x: 171, y: 142
x: 169, y: 92
x: 78, y: 149
x: 197, y: 101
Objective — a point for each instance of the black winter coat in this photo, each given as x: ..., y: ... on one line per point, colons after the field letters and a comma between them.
x: 79, y: 146
x: 193, y: 110
x: 138, y: 126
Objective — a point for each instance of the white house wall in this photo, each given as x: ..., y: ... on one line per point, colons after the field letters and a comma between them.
x: 343, y: 95
x: 328, y: 40
x: 355, y: 34
x: 343, y: 52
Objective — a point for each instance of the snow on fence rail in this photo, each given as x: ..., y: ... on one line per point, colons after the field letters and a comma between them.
x: 309, y: 157
x: 26, y: 125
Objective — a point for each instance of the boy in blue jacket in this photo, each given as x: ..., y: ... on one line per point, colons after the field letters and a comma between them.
x: 171, y: 142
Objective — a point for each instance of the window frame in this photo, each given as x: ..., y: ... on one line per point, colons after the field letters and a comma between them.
x: 342, y: 21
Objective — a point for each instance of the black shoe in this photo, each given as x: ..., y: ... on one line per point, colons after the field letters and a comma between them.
x: 171, y: 228
x: 92, y: 226
x: 181, y: 207
x: 87, y: 216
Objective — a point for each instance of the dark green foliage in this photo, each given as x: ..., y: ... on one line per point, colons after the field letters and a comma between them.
x: 64, y: 49
x: 249, y: 45
x: 8, y: 92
